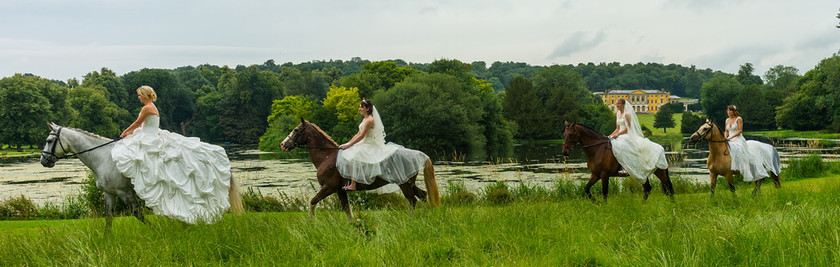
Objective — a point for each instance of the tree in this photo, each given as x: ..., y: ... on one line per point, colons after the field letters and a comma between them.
x: 24, y: 111
x: 433, y: 113
x: 664, y: 119
x: 717, y: 94
x: 755, y: 109
x: 745, y: 75
x: 96, y: 113
x: 782, y: 78
x: 246, y: 101
x: 344, y: 102
x: 175, y: 104
x: 285, y: 116
x: 522, y: 106
x: 690, y: 123
x: 815, y: 104
x: 564, y: 98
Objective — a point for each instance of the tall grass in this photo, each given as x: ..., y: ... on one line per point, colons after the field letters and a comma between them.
x: 796, y: 225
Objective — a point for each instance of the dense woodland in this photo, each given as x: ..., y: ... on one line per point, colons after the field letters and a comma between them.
x: 446, y: 106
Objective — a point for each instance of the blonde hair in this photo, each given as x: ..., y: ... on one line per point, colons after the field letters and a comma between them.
x: 148, y: 92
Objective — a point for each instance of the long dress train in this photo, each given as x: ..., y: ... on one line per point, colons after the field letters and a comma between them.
x: 637, y: 154
x: 752, y: 158
x: 178, y: 177
x: 372, y: 157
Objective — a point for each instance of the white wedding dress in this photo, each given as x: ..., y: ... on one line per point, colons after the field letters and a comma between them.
x: 752, y: 158
x: 178, y: 177
x: 637, y: 154
x: 372, y: 157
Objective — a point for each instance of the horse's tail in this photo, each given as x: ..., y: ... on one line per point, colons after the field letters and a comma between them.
x: 235, y: 198
x: 777, y: 165
x: 431, y: 183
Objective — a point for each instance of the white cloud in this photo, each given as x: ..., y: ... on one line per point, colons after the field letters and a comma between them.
x: 63, y: 39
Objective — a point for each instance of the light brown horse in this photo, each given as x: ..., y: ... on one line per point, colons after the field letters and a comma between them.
x: 601, y: 161
x: 720, y: 162
x: 323, y: 152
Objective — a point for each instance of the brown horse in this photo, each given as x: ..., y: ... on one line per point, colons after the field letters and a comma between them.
x: 323, y: 152
x: 601, y: 161
x: 720, y: 162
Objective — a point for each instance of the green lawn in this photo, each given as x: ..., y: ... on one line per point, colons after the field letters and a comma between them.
x: 648, y: 119
x: 12, y: 152
x: 793, y: 226
x: 795, y: 134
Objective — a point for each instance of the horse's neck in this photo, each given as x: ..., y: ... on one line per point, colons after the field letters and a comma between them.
x: 591, y: 137
x: 77, y: 142
x: 717, y: 146
x: 321, y: 149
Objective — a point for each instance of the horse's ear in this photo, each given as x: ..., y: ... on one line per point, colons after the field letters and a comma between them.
x: 566, y: 123
x: 708, y: 120
x: 302, y: 121
x: 52, y: 126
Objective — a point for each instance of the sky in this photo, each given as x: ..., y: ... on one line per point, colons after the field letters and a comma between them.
x: 60, y: 39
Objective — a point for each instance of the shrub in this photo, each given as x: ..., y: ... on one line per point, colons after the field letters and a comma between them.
x: 19, y: 208
x: 457, y: 194
x: 807, y: 167
x: 497, y: 193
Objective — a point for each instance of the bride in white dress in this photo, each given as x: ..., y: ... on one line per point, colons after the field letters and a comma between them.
x: 637, y: 154
x: 367, y: 156
x: 178, y: 177
x: 746, y: 157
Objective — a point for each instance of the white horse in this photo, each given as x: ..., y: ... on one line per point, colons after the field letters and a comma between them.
x: 95, y: 152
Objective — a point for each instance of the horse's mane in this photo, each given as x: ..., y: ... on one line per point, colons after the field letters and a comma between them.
x: 89, y: 134
x: 592, y: 131
x: 324, y: 133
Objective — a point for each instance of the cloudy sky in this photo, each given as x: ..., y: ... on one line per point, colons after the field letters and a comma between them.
x: 61, y: 39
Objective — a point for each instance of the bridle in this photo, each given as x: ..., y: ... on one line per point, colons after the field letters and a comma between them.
x: 294, y: 138
x: 712, y: 127
x: 607, y: 141
x: 52, y: 157
x: 703, y: 136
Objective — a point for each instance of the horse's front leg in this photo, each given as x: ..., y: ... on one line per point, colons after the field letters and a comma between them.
x: 605, y: 186
x: 592, y: 180
x: 757, y: 189
x: 130, y: 198
x: 110, y: 206
x: 731, y: 183
x: 323, y: 193
x: 345, y: 203
x: 712, y: 181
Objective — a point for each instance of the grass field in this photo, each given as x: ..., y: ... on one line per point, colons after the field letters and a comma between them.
x: 647, y: 120
x: 793, y: 226
x: 795, y: 134
x: 6, y: 151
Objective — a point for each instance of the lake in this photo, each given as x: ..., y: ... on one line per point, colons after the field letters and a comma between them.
x: 292, y: 173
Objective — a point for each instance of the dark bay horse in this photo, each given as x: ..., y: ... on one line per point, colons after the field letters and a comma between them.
x: 323, y: 152
x: 720, y: 162
x: 601, y: 161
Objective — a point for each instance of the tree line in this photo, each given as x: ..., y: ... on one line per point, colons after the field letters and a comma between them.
x: 446, y: 106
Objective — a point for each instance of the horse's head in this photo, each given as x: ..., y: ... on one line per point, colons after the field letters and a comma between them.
x: 703, y: 132
x: 571, y: 137
x: 53, y: 149
x: 297, y: 137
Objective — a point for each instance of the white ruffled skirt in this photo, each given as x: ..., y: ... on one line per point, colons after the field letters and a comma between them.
x: 392, y: 162
x: 178, y: 177
x: 752, y: 158
x: 639, y: 156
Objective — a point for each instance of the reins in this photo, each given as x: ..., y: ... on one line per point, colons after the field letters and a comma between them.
x: 58, y: 143
x: 712, y: 128
x: 295, y: 141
